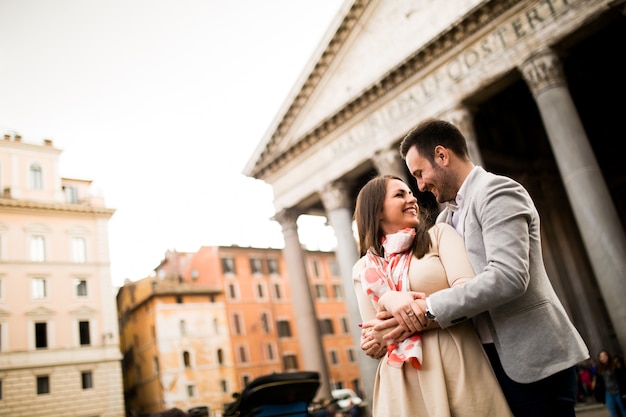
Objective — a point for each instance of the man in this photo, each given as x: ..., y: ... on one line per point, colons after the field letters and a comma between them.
x: 531, y: 343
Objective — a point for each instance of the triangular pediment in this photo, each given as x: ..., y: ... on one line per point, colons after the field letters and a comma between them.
x: 83, y: 311
x: 360, y: 46
x: 40, y: 312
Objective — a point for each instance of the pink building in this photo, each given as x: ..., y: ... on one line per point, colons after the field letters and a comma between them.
x: 59, y: 351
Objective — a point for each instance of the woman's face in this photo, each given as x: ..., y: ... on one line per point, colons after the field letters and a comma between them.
x: 603, y: 357
x: 399, y: 208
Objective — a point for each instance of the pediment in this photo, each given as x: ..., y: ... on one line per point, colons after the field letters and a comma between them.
x: 40, y: 312
x: 4, y: 313
x: 356, y: 53
x: 83, y: 311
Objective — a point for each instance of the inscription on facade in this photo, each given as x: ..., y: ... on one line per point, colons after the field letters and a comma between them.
x: 506, y: 35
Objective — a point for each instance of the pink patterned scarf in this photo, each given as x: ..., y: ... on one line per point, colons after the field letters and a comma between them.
x: 391, y: 273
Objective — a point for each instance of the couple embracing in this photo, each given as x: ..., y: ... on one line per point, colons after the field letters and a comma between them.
x: 460, y: 312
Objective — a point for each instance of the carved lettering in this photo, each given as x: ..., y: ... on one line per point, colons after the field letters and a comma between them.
x: 543, y: 12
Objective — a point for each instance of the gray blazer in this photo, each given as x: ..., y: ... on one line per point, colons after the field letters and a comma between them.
x: 532, y: 332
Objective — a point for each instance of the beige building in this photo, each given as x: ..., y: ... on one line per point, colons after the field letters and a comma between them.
x: 210, y: 322
x: 59, y: 350
x: 537, y: 87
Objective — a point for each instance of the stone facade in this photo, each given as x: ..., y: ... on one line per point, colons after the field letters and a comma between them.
x: 527, y: 82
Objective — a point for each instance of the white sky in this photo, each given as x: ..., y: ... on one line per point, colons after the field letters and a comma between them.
x: 161, y: 103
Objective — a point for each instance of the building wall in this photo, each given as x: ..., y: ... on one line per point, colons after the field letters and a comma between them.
x: 228, y: 300
x: 62, y: 288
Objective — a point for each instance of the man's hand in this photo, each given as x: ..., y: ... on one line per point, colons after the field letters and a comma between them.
x: 402, y: 331
x: 406, y: 308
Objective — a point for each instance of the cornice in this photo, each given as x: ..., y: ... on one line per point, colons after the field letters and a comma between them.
x: 270, y: 161
x: 11, y: 203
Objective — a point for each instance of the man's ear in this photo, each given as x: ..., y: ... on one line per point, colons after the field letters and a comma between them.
x: 442, y: 155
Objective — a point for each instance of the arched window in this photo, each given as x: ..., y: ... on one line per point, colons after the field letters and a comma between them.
x: 186, y: 359
x: 36, y: 178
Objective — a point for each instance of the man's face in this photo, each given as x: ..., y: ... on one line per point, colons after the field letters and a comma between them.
x: 435, y: 178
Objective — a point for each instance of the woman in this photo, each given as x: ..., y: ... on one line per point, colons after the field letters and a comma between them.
x: 439, y: 372
x: 611, y: 384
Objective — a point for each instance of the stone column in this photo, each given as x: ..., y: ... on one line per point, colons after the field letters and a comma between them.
x: 339, y: 209
x: 389, y: 161
x: 461, y: 117
x: 588, y: 194
x: 308, y: 330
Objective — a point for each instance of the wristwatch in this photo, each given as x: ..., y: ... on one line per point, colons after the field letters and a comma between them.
x: 429, y: 315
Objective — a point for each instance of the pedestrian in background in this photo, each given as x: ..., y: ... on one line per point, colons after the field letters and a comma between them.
x: 611, y: 384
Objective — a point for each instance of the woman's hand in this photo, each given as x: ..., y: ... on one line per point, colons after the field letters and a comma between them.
x: 372, y: 342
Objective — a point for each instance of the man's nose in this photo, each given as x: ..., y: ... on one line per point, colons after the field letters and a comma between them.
x: 421, y: 186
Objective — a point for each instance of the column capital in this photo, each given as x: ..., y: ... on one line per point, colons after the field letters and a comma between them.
x: 335, y: 195
x: 288, y: 220
x: 543, y: 70
x: 462, y: 117
x: 389, y: 161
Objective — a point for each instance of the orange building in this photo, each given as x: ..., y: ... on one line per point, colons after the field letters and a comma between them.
x: 210, y: 322
x: 59, y: 350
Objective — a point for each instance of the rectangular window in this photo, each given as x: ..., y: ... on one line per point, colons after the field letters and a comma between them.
x: 87, y: 379
x: 191, y: 391
x: 320, y: 291
x: 41, y: 335
x: 237, y: 327
x: 83, y: 329
x: 277, y: 292
x: 269, y: 352
x: 272, y: 266
x: 334, y: 268
x: 79, y: 250
x: 344, y: 325
x: 39, y: 291
x: 36, y: 177
x: 256, y: 266
x: 334, y: 360
x: 81, y: 287
x: 351, y: 356
x: 243, y: 356
x: 326, y: 326
x: 228, y: 265
x: 43, y: 385
x: 338, y: 291
x: 37, y: 249
x: 260, y: 291
x: 316, y: 268
x: 290, y: 362
x: 155, y: 364
x: 224, y: 385
x: 232, y: 291
x: 71, y: 194
x: 284, y: 329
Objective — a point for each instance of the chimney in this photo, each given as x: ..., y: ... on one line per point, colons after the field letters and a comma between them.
x: 47, y: 142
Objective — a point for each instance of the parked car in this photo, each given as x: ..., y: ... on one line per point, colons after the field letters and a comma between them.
x: 343, y: 397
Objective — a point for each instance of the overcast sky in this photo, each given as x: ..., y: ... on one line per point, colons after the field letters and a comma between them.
x: 161, y: 103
